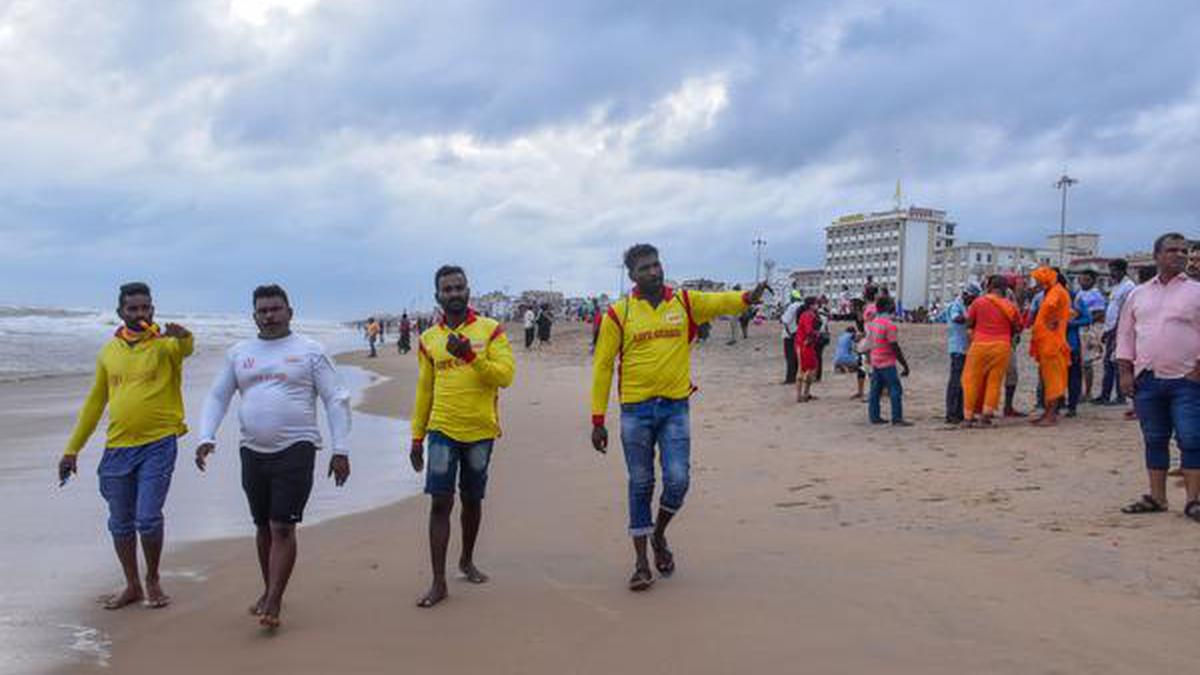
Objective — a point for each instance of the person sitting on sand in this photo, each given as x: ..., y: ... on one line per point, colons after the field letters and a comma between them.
x: 463, y: 361
x: 139, y: 378
x: 993, y: 321
x: 1158, y: 360
x: 885, y: 353
x: 652, y: 330
x: 279, y: 376
x: 847, y: 360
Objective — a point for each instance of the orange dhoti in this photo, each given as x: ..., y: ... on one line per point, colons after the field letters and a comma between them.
x: 1053, y: 370
x: 983, y: 377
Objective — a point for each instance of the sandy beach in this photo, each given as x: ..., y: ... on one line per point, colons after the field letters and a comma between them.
x: 810, y: 542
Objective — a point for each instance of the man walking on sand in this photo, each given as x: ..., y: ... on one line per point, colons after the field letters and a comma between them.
x: 139, y: 378
x: 652, y: 330
x: 1158, y: 357
x: 279, y: 375
x: 463, y: 362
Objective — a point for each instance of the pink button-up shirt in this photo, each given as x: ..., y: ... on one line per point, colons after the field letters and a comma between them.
x: 1159, y: 328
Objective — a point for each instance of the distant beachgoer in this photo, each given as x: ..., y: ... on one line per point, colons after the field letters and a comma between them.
x: 806, y: 338
x: 404, y: 343
x: 1081, y: 318
x: 372, y: 335
x: 957, y: 342
x: 139, y: 379
x: 1049, y: 344
x: 1092, y: 339
x: 847, y: 360
x: 544, y: 323
x: 464, y: 362
x: 1120, y: 288
x: 1158, y: 354
x: 885, y: 353
x: 530, y: 322
x: 651, y: 329
x: 279, y: 376
x: 993, y: 321
x: 788, y: 320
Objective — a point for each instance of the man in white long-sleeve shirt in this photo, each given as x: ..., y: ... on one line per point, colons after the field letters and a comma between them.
x: 279, y: 375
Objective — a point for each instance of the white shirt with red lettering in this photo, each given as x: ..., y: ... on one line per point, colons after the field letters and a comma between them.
x: 279, y: 381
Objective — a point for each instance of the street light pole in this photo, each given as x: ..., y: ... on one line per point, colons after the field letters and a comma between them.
x: 759, y: 245
x: 1063, y: 184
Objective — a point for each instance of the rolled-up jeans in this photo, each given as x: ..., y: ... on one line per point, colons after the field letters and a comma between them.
x: 664, y: 423
x: 134, y: 481
x: 1167, y: 408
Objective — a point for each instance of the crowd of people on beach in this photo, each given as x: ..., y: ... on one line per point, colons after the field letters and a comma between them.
x: 1146, y: 338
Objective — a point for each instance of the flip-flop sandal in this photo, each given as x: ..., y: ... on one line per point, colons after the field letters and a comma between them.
x: 1192, y: 510
x: 641, y: 580
x: 156, y: 603
x: 664, y: 561
x: 1146, y: 504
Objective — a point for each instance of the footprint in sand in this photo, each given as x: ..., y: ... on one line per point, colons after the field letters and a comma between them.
x: 788, y: 505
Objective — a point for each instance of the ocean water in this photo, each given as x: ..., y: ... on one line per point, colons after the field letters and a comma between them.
x: 46, y: 341
x: 57, y: 557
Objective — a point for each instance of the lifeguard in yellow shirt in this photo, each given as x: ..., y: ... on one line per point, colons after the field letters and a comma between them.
x: 463, y: 362
x: 139, y: 378
x: 648, y: 337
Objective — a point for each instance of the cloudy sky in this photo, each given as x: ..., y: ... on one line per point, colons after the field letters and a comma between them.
x: 346, y: 148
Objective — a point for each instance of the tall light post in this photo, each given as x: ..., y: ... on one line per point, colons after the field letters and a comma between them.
x: 1064, y: 183
x: 759, y: 245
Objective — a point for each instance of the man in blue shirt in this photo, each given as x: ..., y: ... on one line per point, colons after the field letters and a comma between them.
x: 957, y: 342
x: 1081, y: 316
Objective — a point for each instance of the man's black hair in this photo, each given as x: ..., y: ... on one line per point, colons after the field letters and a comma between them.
x: 269, y: 291
x: 1120, y: 264
x: 998, y: 281
x: 1088, y: 273
x: 131, y: 288
x: 885, y: 304
x: 1158, y: 243
x: 445, y: 271
x: 638, y: 251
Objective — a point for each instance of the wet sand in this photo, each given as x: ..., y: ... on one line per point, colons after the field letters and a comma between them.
x: 811, y: 542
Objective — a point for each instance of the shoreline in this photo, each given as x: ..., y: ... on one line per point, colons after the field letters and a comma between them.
x: 810, y: 541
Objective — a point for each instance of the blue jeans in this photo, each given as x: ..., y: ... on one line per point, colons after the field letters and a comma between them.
x: 449, y: 459
x: 1165, y: 407
x: 885, y: 378
x: 134, y: 481
x: 662, y: 422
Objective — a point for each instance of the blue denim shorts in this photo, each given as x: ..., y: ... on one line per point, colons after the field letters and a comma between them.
x: 449, y: 461
x: 134, y: 481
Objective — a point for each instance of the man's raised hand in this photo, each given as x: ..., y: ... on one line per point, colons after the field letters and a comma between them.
x: 174, y: 330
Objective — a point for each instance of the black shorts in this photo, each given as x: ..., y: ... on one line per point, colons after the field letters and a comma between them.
x: 277, y: 484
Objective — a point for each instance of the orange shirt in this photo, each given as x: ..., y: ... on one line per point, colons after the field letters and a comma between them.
x: 1056, y: 309
x: 993, y: 317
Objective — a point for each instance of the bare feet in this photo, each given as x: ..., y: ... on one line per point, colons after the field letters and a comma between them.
x: 269, y: 617
x: 127, y: 597
x: 155, y: 598
x: 471, y: 573
x: 259, y: 605
x: 437, y: 593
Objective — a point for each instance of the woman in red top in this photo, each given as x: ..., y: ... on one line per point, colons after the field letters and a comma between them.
x: 807, y: 333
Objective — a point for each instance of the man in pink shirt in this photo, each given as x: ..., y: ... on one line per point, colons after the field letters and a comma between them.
x: 1158, y: 360
x: 882, y: 337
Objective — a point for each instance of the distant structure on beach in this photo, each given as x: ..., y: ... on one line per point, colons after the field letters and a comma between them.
x: 894, y: 247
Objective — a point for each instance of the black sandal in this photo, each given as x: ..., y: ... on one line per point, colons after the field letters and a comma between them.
x: 641, y: 580
x: 1192, y: 510
x: 1148, y: 504
x: 664, y: 560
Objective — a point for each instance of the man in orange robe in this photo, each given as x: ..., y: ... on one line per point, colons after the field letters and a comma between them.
x: 1049, y: 344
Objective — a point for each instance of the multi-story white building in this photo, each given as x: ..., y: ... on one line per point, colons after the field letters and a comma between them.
x: 894, y: 247
x: 810, y: 283
x: 954, y: 266
x: 1074, y: 245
